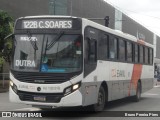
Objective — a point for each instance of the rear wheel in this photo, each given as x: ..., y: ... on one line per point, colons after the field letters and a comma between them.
x: 137, y: 97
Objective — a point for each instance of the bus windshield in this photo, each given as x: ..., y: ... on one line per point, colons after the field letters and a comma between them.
x: 55, y: 53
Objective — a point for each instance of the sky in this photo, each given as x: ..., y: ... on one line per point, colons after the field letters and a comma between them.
x: 146, y: 12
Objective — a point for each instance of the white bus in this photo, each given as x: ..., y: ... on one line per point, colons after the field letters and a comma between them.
x: 61, y: 61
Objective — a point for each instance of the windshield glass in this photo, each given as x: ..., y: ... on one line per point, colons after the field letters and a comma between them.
x: 56, y: 53
x: 65, y: 55
x: 26, y: 57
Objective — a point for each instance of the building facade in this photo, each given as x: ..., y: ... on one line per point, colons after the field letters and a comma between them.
x: 82, y: 8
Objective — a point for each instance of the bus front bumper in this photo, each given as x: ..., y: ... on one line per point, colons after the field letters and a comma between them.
x: 73, y: 99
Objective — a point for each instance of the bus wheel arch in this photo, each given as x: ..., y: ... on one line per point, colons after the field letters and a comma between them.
x: 102, y: 98
x: 105, y: 86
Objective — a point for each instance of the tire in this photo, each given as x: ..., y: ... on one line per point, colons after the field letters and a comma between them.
x: 101, y: 100
x: 137, y: 97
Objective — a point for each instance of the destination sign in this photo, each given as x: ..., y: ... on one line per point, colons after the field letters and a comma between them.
x: 47, y: 24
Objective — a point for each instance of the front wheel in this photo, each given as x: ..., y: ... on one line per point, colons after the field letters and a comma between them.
x: 99, y: 106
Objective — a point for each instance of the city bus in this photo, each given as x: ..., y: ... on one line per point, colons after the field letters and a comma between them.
x: 65, y: 61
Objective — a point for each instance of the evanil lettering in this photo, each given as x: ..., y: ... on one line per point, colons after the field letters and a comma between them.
x: 65, y: 24
x: 25, y: 63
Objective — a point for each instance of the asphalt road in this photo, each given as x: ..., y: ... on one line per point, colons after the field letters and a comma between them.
x: 150, y: 101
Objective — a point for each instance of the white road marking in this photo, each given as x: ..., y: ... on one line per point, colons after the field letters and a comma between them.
x: 157, y: 86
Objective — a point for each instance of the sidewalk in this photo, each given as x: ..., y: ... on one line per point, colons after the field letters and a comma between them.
x: 4, y: 88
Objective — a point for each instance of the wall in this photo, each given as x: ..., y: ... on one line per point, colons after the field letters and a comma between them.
x: 92, y: 9
x: 79, y: 8
x: 131, y: 27
x: 20, y: 8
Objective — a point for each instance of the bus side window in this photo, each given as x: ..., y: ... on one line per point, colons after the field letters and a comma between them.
x: 92, y: 50
x: 141, y: 54
x: 129, y: 52
x: 121, y: 50
x: 150, y: 56
x: 90, y: 56
x: 103, y: 46
x: 113, y: 48
x: 146, y: 55
x: 136, y: 53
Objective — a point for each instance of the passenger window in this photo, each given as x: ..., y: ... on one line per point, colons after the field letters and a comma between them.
x: 121, y: 50
x: 146, y: 55
x: 136, y: 53
x: 141, y: 54
x: 113, y: 48
x: 151, y: 56
x: 103, y: 47
x: 92, y: 50
x: 129, y: 52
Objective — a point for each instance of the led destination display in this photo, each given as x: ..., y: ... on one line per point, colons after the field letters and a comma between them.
x: 47, y: 23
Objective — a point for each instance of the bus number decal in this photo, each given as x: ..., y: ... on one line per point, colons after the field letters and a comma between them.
x: 30, y: 24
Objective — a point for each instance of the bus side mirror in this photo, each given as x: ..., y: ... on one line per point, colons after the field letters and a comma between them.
x: 9, y: 36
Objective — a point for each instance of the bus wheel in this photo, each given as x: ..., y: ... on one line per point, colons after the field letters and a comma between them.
x: 99, y: 106
x: 137, y: 97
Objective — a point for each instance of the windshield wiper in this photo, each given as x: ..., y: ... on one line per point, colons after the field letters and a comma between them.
x: 33, y: 43
x: 53, y: 42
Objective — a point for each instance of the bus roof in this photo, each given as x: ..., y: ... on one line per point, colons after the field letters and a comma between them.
x: 116, y: 32
x: 48, y: 16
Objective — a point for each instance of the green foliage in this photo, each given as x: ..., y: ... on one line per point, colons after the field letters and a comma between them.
x: 6, y: 28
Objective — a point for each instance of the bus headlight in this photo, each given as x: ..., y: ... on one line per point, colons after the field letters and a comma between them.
x: 72, y: 88
x: 11, y: 83
x: 13, y: 86
x: 75, y: 87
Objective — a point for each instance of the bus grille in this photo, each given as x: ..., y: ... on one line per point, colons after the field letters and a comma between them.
x: 41, y: 78
x: 50, y: 97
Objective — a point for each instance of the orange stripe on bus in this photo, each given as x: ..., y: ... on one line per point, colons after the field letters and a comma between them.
x: 136, y: 75
x: 137, y: 71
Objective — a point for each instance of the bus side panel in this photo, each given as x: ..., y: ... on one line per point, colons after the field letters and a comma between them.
x: 147, y: 78
x: 104, y: 74
x: 90, y: 88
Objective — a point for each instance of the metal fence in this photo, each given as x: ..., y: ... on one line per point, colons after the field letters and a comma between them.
x: 3, y: 77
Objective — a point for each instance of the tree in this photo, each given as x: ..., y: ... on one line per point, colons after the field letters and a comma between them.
x: 6, y: 28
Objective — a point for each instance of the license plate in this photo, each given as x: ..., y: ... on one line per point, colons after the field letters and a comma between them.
x: 39, y: 98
